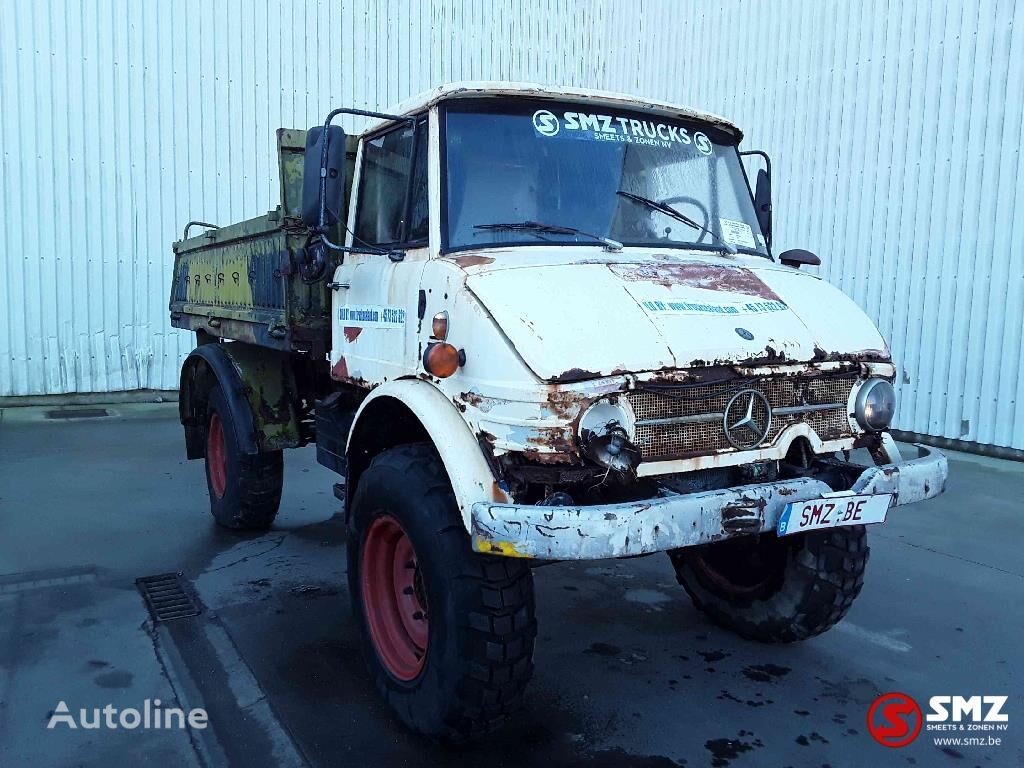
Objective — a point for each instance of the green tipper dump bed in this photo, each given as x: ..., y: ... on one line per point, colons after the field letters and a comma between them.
x: 243, y: 282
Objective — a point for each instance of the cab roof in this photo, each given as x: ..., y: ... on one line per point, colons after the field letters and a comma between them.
x: 487, y: 88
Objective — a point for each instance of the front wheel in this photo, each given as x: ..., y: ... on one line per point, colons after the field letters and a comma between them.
x: 447, y: 634
x: 776, y: 589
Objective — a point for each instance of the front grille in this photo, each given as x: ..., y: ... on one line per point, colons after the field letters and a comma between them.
x: 674, y: 440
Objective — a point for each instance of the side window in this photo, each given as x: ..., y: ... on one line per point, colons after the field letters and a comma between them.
x: 385, y: 178
x: 418, y: 203
x: 385, y: 185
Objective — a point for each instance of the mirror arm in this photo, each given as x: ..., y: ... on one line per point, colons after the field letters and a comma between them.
x: 395, y: 254
x: 323, y: 158
x: 763, y: 155
x: 319, y: 233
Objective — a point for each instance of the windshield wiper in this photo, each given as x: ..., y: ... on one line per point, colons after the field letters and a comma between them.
x: 550, y: 229
x: 673, y: 213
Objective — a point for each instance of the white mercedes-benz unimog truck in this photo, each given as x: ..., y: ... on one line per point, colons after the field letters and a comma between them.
x: 528, y: 325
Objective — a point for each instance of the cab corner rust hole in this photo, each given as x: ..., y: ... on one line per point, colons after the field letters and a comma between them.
x: 167, y: 597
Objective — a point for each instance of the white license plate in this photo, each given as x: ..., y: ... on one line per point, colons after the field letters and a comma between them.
x: 833, y: 511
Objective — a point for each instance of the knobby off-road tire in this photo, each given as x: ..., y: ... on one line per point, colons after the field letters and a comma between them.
x: 245, y: 491
x: 776, y: 589
x: 447, y: 633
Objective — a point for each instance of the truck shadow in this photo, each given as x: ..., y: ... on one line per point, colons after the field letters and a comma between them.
x: 622, y: 660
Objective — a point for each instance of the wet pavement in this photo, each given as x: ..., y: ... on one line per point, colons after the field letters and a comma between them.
x: 627, y: 672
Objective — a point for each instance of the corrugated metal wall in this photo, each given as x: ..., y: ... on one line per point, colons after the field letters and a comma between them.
x: 895, y: 130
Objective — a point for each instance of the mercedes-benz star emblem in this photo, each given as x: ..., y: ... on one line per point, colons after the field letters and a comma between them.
x: 748, y: 417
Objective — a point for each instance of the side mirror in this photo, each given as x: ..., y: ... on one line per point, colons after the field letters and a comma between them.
x: 323, y: 174
x: 763, y: 204
x: 797, y: 256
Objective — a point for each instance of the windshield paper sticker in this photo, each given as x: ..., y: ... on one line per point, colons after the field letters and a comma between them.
x: 660, y: 306
x: 371, y: 316
x: 628, y: 130
x: 737, y: 233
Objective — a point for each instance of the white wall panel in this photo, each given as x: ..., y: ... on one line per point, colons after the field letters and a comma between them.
x: 895, y: 128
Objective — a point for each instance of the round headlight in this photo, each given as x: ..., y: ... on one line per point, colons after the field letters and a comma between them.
x: 606, y: 430
x: 602, y: 414
x: 876, y: 404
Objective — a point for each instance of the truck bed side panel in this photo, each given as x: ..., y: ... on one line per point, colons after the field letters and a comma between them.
x: 241, y: 281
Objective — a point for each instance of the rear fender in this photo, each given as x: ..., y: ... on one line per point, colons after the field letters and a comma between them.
x: 259, y: 386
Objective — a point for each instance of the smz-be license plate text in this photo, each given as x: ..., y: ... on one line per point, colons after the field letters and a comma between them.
x: 831, y: 512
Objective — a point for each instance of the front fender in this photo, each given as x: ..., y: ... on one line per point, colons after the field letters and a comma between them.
x: 471, y: 477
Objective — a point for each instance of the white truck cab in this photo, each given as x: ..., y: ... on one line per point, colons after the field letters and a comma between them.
x: 579, y: 314
x: 557, y: 331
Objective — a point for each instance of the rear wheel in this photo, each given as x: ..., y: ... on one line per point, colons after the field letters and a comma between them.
x: 245, y: 491
x: 776, y: 589
x: 447, y: 633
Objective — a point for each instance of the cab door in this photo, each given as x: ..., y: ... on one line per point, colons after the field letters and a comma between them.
x: 376, y: 299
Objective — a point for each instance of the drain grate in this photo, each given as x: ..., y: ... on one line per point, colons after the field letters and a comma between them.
x: 79, y: 413
x: 166, y: 597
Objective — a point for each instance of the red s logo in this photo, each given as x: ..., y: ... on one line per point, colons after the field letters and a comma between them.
x: 894, y: 720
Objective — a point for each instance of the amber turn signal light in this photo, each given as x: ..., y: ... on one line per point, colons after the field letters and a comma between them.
x: 439, y: 326
x: 442, y: 360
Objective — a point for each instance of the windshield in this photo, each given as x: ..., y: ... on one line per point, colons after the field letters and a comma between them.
x: 519, y: 161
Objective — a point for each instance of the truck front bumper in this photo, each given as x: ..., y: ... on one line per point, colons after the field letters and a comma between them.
x: 674, y: 521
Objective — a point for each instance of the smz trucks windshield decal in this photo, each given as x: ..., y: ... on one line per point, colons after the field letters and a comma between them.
x: 629, y: 130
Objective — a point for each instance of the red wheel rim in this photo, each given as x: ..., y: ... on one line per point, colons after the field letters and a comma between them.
x: 216, y: 456
x: 394, y: 598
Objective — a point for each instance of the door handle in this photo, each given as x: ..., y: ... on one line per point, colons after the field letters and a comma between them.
x: 338, y: 286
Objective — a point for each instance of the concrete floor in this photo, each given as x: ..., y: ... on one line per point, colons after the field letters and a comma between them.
x: 627, y: 672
